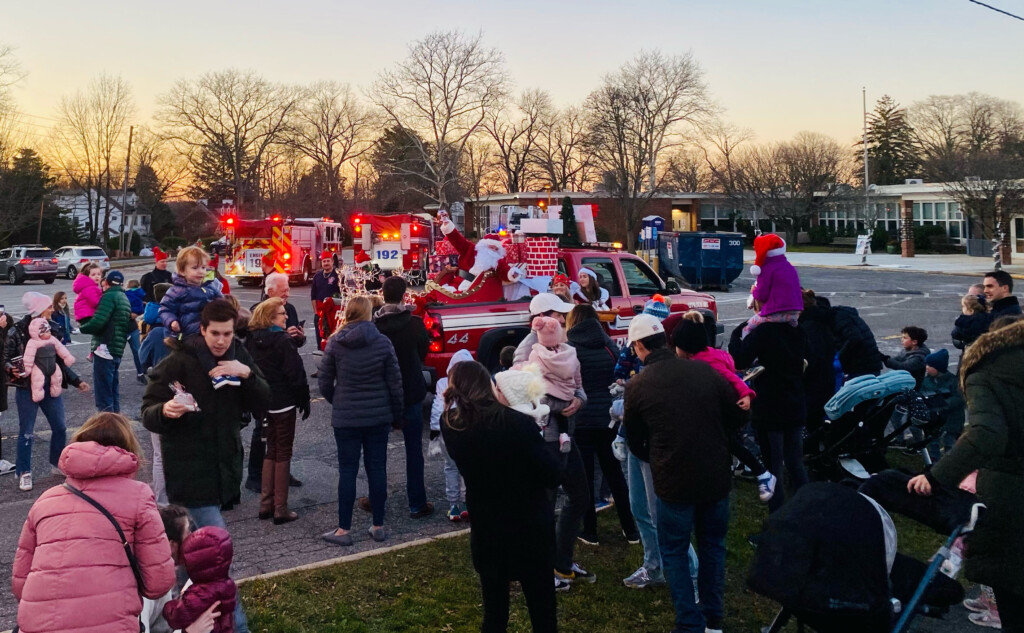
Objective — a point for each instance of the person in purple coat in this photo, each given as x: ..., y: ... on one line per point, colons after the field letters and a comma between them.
x: 776, y: 293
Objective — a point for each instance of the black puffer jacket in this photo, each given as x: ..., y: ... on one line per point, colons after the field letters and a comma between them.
x: 275, y: 354
x: 819, y: 378
x: 780, y: 348
x: 359, y: 376
x: 858, y: 352
x: 409, y: 337
x: 14, y: 346
x: 597, y: 355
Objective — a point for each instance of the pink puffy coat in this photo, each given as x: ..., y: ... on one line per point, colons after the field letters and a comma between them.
x: 87, y: 296
x: 70, y: 571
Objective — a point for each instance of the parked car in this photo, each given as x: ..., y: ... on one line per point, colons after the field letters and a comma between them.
x: 70, y: 259
x: 28, y: 261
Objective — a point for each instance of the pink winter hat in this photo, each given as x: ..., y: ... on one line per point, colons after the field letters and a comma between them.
x: 549, y: 332
x: 36, y: 302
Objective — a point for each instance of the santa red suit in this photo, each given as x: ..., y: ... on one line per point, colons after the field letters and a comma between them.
x: 485, y: 264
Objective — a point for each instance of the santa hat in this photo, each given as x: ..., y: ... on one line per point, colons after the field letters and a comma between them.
x: 765, y: 246
x: 267, y: 259
x: 549, y: 331
x: 523, y: 389
x: 158, y: 254
x: 561, y: 279
x: 326, y: 255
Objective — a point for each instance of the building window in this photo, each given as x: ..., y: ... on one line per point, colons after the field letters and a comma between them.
x: 707, y: 211
x: 940, y: 210
x: 926, y: 211
x: 917, y: 211
x: 954, y: 230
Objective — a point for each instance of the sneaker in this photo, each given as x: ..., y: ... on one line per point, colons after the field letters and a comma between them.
x: 425, y: 511
x: 589, y: 539
x: 632, y: 538
x: 101, y: 351
x: 640, y: 579
x: 602, y: 504
x: 255, y: 485
x: 378, y: 534
x: 745, y: 474
x: 577, y: 574
x: 766, y: 487
x: 455, y: 513
x: 986, y: 618
x: 226, y: 381
x: 985, y: 602
x: 561, y: 585
x: 141, y: 378
x: 6, y: 467
x: 25, y: 482
x: 465, y: 515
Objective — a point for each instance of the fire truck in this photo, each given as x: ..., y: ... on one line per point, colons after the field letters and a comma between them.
x: 402, y: 240
x: 295, y: 242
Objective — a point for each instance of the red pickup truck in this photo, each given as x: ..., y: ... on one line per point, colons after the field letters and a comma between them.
x: 485, y: 328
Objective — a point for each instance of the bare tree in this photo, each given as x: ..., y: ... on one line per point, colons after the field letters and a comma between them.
x: 559, y: 151
x: 515, y: 131
x: 225, y: 123
x: 479, y: 174
x: 640, y: 110
x: 89, y: 144
x: 332, y: 128
x: 686, y: 170
x: 10, y: 74
x: 170, y: 168
x: 791, y: 182
x: 439, y: 96
x: 720, y: 144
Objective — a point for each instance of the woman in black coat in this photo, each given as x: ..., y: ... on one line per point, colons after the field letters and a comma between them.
x: 820, y: 375
x: 508, y: 472
x: 594, y: 433
x: 273, y: 351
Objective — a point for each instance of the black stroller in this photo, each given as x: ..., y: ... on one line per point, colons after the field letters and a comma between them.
x: 828, y: 557
x: 866, y: 417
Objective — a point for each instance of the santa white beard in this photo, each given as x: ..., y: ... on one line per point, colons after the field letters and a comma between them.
x: 487, y: 258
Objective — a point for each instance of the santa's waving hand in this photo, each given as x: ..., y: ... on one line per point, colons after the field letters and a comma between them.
x: 474, y: 260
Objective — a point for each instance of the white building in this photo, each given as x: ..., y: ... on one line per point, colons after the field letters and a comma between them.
x: 76, y: 202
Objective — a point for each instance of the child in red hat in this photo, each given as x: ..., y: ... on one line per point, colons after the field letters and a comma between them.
x: 777, y: 286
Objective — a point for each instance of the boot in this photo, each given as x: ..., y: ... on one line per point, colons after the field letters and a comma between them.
x: 281, y: 512
x: 267, y: 494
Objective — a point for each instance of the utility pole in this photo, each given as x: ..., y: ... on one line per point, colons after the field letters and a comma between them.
x: 39, y: 229
x: 867, y: 212
x: 124, y: 193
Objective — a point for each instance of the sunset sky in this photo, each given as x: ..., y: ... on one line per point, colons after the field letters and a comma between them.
x: 775, y: 67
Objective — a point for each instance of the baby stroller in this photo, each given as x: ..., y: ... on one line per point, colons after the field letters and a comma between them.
x: 868, y: 415
x: 828, y: 557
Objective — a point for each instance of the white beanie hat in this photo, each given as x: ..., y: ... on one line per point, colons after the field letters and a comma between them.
x: 523, y: 388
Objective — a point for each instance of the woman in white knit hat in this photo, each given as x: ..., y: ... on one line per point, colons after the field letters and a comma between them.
x: 587, y: 290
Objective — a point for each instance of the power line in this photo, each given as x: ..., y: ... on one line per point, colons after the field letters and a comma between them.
x: 997, y: 10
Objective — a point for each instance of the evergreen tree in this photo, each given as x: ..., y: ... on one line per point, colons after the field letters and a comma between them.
x: 891, y: 154
x: 570, y: 236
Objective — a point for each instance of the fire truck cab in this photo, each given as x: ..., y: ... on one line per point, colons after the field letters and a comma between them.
x: 401, y: 240
x: 295, y: 242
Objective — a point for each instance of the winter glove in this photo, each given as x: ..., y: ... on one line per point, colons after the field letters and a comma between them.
x: 619, y: 448
x: 434, y: 450
x: 617, y: 409
x: 304, y: 409
x: 616, y: 390
x: 564, y: 443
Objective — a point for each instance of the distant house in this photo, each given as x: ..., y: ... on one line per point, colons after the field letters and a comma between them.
x: 76, y: 202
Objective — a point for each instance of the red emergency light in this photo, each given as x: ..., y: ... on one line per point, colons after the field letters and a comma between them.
x: 275, y: 218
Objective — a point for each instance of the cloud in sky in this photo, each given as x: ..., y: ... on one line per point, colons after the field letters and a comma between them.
x: 776, y: 67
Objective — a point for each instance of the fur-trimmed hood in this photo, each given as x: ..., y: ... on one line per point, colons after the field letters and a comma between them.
x: 988, y: 345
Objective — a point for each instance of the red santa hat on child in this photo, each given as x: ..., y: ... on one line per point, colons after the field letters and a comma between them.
x: 765, y: 246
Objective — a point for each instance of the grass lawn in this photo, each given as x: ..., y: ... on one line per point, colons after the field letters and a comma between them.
x: 434, y: 587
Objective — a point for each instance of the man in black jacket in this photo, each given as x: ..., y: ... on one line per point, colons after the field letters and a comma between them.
x: 683, y: 433
x: 409, y: 337
x: 858, y: 351
x: 998, y: 286
x: 159, y: 275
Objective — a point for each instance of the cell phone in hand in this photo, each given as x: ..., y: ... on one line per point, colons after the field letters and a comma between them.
x: 302, y: 324
x: 453, y: 260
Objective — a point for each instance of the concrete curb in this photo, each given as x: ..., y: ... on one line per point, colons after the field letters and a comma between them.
x: 353, y: 557
x: 874, y: 267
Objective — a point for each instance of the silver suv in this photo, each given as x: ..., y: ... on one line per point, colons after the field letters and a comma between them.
x: 71, y: 259
x: 27, y: 261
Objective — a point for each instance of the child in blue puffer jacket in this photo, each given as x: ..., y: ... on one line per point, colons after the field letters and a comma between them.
x: 180, y: 307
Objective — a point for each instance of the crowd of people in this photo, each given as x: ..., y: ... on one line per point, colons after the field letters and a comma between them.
x: 661, y: 425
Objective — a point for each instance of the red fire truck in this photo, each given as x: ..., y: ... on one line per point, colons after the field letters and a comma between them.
x: 401, y: 240
x: 295, y: 242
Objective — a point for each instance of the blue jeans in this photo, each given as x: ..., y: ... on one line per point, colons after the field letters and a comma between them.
x: 373, y: 442
x: 53, y: 409
x: 642, y: 504
x: 710, y: 521
x: 413, y: 433
x: 210, y: 516
x: 133, y: 343
x: 106, y: 384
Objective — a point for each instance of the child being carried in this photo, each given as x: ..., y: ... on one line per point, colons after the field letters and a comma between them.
x: 561, y: 372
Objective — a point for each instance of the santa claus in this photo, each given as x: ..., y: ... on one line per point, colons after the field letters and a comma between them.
x: 482, y: 266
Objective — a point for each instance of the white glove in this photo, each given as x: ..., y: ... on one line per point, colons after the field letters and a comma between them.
x: 616, y: 390
x: 447, y: 226
x: 564, y: 443
x: 434, y: 450
x: 617, y: 409
x: 516, y: 272
x: 619, y: 448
